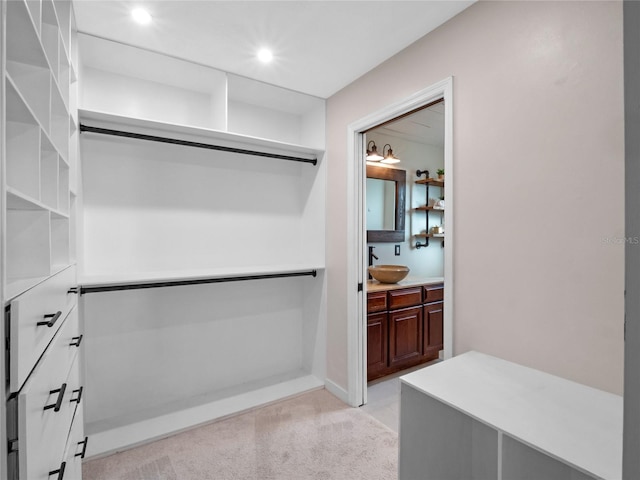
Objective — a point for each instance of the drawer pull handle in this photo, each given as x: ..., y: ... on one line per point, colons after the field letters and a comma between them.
x: 76, y: 341
x: 54, y: 318
x: 84, y: 447
x: 72, y: 290
x: 79, y: 392
x: 60, y: 471
x: 60, y: 391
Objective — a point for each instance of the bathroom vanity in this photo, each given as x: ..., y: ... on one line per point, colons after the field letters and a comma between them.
x: 404, y: 324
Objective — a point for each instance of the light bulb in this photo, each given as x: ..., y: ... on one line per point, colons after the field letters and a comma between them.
x: 265, y: 55
x: 141, y: 16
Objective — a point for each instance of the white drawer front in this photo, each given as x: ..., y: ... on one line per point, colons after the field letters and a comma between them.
x: 76, y: 447
x: 28, y: 339
x: 44, y: 413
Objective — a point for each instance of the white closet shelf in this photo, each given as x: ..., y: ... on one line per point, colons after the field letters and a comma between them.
x: 19, y: 201
x: 108, y: 436
x: 195, y: 134
x: 159, y: 277
x: 18, y: 286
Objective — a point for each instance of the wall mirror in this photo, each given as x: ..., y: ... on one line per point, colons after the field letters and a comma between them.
x: 386, y: 191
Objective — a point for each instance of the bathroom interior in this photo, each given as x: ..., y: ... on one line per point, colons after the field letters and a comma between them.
x: 405, y: 205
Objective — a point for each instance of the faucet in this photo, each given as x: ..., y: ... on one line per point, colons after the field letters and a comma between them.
x: 371, y: 257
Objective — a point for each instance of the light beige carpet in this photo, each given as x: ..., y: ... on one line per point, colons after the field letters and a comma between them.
x: 313, y: 436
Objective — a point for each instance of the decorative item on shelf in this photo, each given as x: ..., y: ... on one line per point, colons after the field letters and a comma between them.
x: 389, y: 157
x: 437, y: 229
x: 436, y: 203
x: 372, y: 154
x: 440, y: 172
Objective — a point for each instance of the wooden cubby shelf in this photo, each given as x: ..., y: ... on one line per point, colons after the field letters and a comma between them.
x: 429, y: 235
x: 434, y: 182
x: 428, y: 208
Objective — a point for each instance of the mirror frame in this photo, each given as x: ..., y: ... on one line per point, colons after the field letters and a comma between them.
x: 400, y: 178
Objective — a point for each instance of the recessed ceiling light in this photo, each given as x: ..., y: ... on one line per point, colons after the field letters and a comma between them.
x: 141, y: 16
x: 265, y: 55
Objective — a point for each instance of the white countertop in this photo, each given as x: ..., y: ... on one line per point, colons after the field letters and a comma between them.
x: 577, y: 424
x: 376, y: 286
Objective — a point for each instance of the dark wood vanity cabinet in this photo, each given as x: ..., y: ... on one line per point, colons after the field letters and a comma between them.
x: 432, y: 341
x: 405, y: 337
x: 377, y: 341
x: 433, y: 321
x: 404, y: 328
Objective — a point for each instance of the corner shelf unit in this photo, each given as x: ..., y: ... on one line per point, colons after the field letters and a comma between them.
x: 428, y: 182
x: 39, y: 135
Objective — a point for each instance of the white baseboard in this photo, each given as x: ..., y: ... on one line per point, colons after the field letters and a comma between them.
x: 123, y: 437
x: 337, y: 390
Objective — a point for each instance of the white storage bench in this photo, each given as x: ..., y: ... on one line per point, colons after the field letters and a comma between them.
x: 479, y: 417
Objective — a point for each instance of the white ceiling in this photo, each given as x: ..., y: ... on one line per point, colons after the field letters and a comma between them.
x: 319, y: 46
x: 424, y: 126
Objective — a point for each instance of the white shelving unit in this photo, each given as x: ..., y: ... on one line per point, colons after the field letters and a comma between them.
x: 477, y: 416
x: 38, y: 136
x: 38, y: 274
x: 170, y: 344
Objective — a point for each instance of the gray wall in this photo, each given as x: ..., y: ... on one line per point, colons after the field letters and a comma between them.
x: 538, y: 185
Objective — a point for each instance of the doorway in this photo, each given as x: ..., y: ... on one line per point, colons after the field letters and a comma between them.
x: 357, y: 269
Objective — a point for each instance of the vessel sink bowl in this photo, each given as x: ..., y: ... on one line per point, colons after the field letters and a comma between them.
x: 388, y: 273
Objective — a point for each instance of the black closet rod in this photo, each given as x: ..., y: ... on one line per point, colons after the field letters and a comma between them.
x: 187, y: 143
x: 178, y: 283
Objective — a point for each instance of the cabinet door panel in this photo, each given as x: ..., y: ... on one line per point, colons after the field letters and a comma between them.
x: 376, y: 302
x: 406, y: 297
x: 433, y: 329
x: 28, y: 339
x: 75, y: 448
x: 46, y: 406
x: 434, y: 293
x: 405, y: 336
x: 377, y: 345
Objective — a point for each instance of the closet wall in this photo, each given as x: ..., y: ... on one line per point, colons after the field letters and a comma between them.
x: 166, y: 349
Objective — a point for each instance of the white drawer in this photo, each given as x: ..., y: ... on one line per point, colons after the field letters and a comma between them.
x: 28, y: 339
x: 76, y: 448
x: 45, y: 413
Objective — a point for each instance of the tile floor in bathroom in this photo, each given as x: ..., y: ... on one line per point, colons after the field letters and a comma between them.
x: 383, y: 398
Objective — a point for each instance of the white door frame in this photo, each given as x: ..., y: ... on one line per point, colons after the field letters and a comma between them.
x: 356, y: 230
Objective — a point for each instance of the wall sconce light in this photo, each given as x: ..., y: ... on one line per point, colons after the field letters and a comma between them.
x: 389, y: 157
x: 373, y: 155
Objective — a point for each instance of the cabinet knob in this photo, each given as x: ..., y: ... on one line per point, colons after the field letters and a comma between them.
x: 84, y: 447
x: 53, y: 319
x: 60, y: 471
x: 75, y: 341
x: 60, y: 391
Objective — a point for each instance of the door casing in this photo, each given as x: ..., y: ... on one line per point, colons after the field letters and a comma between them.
x: 356, y: 230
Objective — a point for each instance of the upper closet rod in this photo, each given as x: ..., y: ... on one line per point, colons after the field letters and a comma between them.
x: 187, y: 143
x: 177, y: 283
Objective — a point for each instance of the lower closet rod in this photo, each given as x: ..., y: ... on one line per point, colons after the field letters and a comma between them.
x: 188, y: 143
x: 177, y: 283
